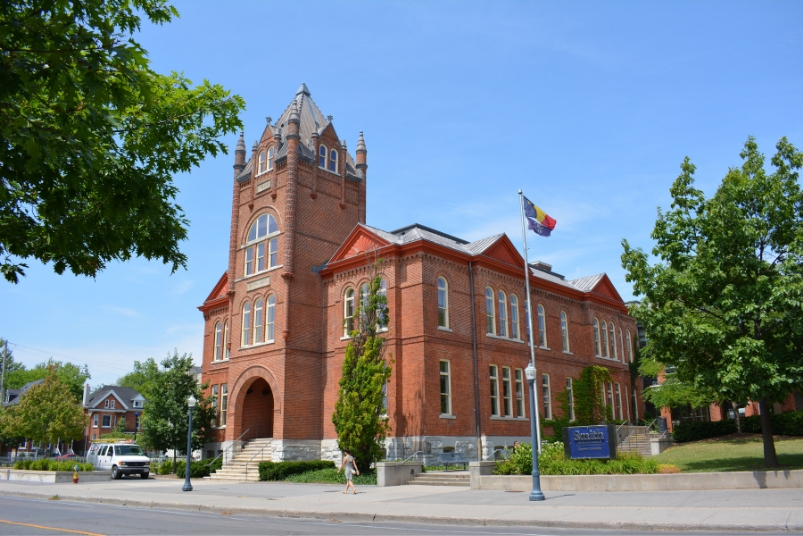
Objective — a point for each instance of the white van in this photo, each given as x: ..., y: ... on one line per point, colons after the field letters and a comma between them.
x: 119, y: 458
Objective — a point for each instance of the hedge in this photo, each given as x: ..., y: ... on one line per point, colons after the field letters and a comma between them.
x: 51, y: 465
x: 552, y: 461
x: 788, y: 424
x: 198, y: 469
x: 280, y: 470
x: 695, y: 431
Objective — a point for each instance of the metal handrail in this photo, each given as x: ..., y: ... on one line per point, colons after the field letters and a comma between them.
x: 413, y: 454
x: 234, y: 443
x: 253, y: 457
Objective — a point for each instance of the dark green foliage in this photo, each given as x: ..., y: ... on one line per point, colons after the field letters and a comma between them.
x: 52, y: 465
x: 331, y: 476
x: 198, y: 469
x: 588, y: 406
x: 695, y: 431
x: 552, y: 461
x: 143, y: 378
x: 74, y: 376
x: 91, y: 137
x: 786, y: 424
x: 281, y: 470
x: 359, y: 418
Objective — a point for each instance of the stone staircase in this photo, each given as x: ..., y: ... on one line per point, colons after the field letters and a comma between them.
x: 235, y: 470
x: 452, y: 478
x: 637, y: 442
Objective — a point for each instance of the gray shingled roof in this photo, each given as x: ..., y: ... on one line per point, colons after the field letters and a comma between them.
x: 13, y: 395
x: 587, y: 284
x: 126, y: 393
x: 416, y: 232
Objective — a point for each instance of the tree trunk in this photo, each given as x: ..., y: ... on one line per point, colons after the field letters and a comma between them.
x: 770, y: 457
x: 736, y: 416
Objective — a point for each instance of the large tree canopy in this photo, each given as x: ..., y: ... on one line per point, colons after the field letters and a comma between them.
x: 724, y: 302
x: 90, y: 136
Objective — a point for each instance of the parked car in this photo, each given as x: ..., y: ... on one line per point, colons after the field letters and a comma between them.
x: 122, y: 459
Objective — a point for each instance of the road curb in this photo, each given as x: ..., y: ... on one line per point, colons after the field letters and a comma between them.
x: 403, y: 518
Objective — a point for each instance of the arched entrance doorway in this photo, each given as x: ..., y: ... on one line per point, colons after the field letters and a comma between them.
x: 257, y: 410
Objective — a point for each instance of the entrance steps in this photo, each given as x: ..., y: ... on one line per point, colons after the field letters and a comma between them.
x: 453, y: 478
x: 239, y: 469
x: 637, y: 442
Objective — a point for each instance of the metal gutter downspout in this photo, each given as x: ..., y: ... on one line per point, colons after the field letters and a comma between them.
x: 476, y: 372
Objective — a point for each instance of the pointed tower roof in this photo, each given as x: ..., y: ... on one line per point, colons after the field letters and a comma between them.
x: 303, y: 89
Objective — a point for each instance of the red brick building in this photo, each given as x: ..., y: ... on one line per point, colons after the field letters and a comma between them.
x: 299, y: 254
x: 107, y: 406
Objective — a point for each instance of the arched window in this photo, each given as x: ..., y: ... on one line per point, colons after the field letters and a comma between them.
x: 218, y: 342
x: 542, y: 326
x: 333, y: 160
x: 514, y: 317
x: 564, y: 330
x: 502, y: 314
x: 348, y: 312
x: 629, y: 346
x: 443, y: 303
x: 261, y: 168
x: 490, y: 319
x: 262, y: 252
x: 597, y: 337
x: 622, y: 345
x: 363, y: 302
x: 258, y: 321
x: 383, y: 293
x: 246, y: 340
x: 322, y: 156
x: 226, y: 339
x: 614, y: 348
x: 605, y: 347
x: 271, y: 157
x: 271, y: 318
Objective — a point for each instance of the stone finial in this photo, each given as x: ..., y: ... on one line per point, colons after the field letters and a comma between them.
x: 240, y: 143
x: 254, y: 147
x: 294, y: 117
x: 268, y: 119
x: 330, y: 118
x: 343, y: 144
x: 361, y: 144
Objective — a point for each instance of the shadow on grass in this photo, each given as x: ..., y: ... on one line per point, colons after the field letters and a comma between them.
x: 744, y: 463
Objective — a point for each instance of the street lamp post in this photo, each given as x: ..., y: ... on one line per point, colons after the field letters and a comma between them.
x: 136, y: 425
x: 536, y: 494
x: 187, y: 486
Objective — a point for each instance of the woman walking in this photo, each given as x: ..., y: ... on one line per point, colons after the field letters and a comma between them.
x: 350, y: 466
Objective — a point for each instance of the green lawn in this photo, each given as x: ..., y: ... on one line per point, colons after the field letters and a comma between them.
x: 331, y: 476
x: 731, y: 454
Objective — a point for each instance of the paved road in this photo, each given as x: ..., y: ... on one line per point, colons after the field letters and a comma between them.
x: 27, y: 517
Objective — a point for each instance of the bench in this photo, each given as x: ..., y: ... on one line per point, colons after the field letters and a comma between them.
x: 452, y: 458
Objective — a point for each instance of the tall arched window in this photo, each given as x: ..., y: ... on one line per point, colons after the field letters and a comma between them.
x: 597, y: 338
x: 227, y: 351
x: 271, y: 157
x: 514, y: 317
x: 443, y: 303
x: 348, y: 312
x: 614, y: 348
x: 490, y: 317
x: 363, y: 302
x: 246, y: 339
x: 381, y: 319
x: 622, y: 345
x: 502, y: 314
x: 261, y: 168
x: 322, y: 156
x: 258, y: 321
x: 605, y: 347
x: 629, y: 346
x: 564, y: 330
x: 263, y: 245
x: 333, y: 160
x: 542, y: 326
x: 218, y: 342
x: 270, y: 314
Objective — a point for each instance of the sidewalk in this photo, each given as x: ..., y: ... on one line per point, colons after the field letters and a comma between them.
x: 733, y: 510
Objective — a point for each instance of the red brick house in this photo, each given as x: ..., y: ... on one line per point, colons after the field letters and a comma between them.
x: 299, y: 254
x: 107, y: 405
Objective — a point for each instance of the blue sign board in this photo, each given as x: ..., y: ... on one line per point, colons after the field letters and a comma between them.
x: 582, y: 442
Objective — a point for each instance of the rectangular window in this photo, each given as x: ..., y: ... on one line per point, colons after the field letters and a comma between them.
x: 105, y: 403
x: 111, y: 404
x: 547, y: 397
x: 95, y: 422
x: 570, y: 397
x: 506, y: 393
x: 446, y: 389
x: 107, y: 421
x: 519, y: 393
x: 494, y: 390
x: 619, y: 402
x: 216, y: 404
x: 260, y: 256
x: 249, y: 261
x: 273, y: 252
x: 610, y: 399
x: 136, y: 424
x: 224, y: 403
x: 627, y: 400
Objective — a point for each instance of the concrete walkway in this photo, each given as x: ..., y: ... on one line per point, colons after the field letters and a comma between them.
x: 734, y: 510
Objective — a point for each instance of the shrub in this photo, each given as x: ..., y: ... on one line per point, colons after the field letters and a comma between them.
x: 788, y: 424
x: 552, y: 461
x: 331, y: 476
x: 198, y: 469
x: 51, y: 465
x: 695, y: 431
x: 274, y: 471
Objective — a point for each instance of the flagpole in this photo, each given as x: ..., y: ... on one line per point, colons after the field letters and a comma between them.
x: 536, y: 494
x: 529, y: 314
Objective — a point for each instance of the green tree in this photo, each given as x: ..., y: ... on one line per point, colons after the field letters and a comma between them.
x: 723, y: 302
x: 166, y: 416
x: 46, y: 413
x: 90, y: 136
x: 143, y: 378
x: 73, y: 376
x: 360, y: 417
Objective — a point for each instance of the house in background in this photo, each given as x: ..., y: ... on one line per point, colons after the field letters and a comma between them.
x: 107, y: 405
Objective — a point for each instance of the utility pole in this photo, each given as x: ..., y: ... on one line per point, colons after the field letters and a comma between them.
x: 3, y: 376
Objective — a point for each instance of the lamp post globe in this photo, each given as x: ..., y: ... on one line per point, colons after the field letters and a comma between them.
x: 191, y: 401
x: 536, y: 494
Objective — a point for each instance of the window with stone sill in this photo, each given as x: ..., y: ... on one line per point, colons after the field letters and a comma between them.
x: 218, y: 351
x: 270, y: 317
x: 348, y: 312
x: 597, y: 338
x: 446, y: 387
x: 605, y: 346
x: 519, y: 393
x: 246, y: 336
x: 542, y: 326
x: 629, y: 346
x: 107, y: 421
x: 502, y: 314
x: 443, y: 303
x: 507, y: 395
x: 226, y: 339
x: 262, y: 251
x: 322, y: 152
x: 490, y: 316
x: 545, y: 389
x: 494, y: 377
x: 271, y: 157
x: 612, y: 336
x: 564, y: 330
x: 261, y: 168
x: 333, y: 160
x: 514, y: 317
x: 258, y: 320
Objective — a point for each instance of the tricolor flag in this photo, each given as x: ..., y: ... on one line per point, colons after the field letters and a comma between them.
x: 537, y: 219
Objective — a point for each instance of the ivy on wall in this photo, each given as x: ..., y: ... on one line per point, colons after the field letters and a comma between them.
x: 588, y: 404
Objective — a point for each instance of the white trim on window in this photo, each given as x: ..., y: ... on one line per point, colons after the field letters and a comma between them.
x: 543, y: 342
x: 564, y: 331
x: 605, y: 345
x: 612, y: 337
x: 570, y: 397
x: 547, y: 394
x: 270, y: 319
x: 443, y: 303
x: 502, y: 313
x: 619, y: 401
x: 493, y: 372
x: 445, y: 387
x: 226, y: 339
x: 333, y: 157
x: 519, y: 380
x: 271, y: 156
x: 348, y: 312
x: 258, y: 320
x: 224, y: 403
x: 490, y: 308
x: 245, y: 340
x: 629, y: 345
x: 217, y: 352
x: 322, y: 153
x: 597, y: 338
x: 507, y: 393
x: 261, y: 167
x: 261, y: 247
x: 515, y: 332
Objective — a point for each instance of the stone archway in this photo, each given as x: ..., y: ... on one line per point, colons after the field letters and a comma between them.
x: 255, y: 404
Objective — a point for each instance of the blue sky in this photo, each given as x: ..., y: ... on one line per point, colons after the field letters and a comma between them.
x: 589, y: 107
